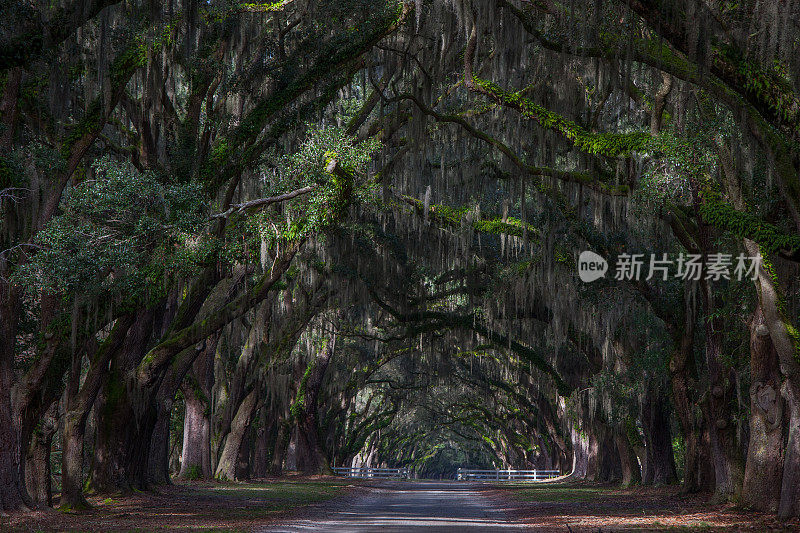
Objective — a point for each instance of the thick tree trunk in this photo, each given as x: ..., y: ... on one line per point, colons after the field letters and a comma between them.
x: 72, y: 467
x: 783, y: 339
x: 243, y: 470
x: 726, y: 452
x: 609, y: 466
x: 698, y: 470
x: 786, y: 348
x: 126, y: 418
x: 12, y: 491
x: 658, y: 437
x: 78, y: 401
x: 631, y: 473
x: 684, y: 409
x: 122, y: 442
x: 158, y: 458
x: 644, y: 465
x: 37, y: 470
x: 72, y: 436
x: 265, y: 437
x: 196, y: 454
x: 761, y: 489
x: 281, y: 445
x: 311, y: 458
x: 226, y: 468
x: 790, y: 487
x: 580, y: 452
x: 37, y: 462
x: 603, y: 461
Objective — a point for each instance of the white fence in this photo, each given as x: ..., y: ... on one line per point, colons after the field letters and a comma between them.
x: 397, y: 473
x: 465, y: 474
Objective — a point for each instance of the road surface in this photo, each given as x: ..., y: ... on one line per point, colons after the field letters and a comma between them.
x: 408, y: 506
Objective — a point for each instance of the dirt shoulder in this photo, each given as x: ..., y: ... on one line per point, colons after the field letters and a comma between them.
x: 582, y: 507
x: 193, y: 506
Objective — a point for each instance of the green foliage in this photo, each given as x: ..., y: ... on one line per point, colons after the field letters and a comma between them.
x: 116, y: 234
x: 746, y: 225
x: 770, y: 85
x: 334, y: 192
x: 194, y: 472
x: 308, y: 164
x: 265, y: 7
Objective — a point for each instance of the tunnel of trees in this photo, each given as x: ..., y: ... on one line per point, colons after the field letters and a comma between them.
x: 240, y: 239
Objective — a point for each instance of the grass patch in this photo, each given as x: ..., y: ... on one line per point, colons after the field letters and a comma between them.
x: 554, y: 493
x: 701, y: 526
x: 261, y: 500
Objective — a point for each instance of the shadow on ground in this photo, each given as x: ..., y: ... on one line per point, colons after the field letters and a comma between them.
x: 581, y: 507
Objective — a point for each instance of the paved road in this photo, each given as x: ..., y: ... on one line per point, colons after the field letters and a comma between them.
x: 409, y: 506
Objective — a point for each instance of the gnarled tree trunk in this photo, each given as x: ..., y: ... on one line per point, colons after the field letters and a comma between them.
x: 631, y: 473
x: 790, y: 487
x: 764, y: 465
x: 12, y: 490
x: 281, y: 446
x: 726, y: 452
x: 37, y: 462
x: 226, y: 468
x: 196, y: 454
x: 311, y: 458
x: 658, y: 437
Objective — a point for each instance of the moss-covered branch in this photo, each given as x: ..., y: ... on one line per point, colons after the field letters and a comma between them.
x: 163, y: 353
x: 746, y: 225
x: 596, y: 182
x: 607, y: 144
x: 458, y: 217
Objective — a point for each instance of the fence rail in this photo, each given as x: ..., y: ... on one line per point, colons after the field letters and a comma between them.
x: 366, y: 472
x: 466, y: 474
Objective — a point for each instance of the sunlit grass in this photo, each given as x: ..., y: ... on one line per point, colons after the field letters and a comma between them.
x: 260, y: 500
x: 554, y: 493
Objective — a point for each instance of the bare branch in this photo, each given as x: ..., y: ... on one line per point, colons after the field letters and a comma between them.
x: 263, y: 202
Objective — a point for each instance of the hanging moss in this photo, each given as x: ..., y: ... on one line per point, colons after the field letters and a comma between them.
x: 120, y: 72
x: 299, y: 404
